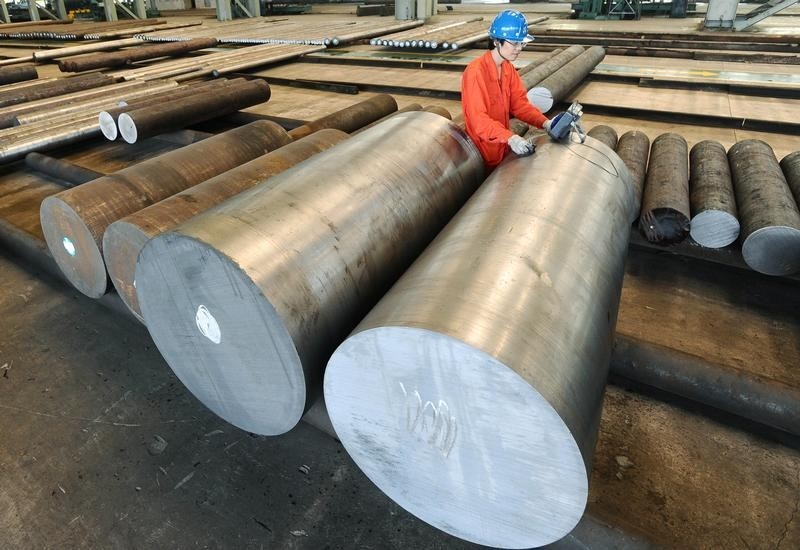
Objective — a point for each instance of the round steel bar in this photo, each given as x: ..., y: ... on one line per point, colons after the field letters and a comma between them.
x: 66, y: 171
x: 634, y: 149
x: 438, y: 110
x: 151, y: 120
x: 550, y: 65
x: 92, y: 61
x: 558, y: 85
x: 74, y: 220
x: 665, y: 207
x: 407, y: 108
x: 124, y: 239
x: 471, y: 393
x: 350, y: 118
x: 605, y: 134
x: 767, y: 211
x: 17, y: 73
x: 714, y: 223
x: 533, y: 64
x: 54, y: 88
x: 790, y: 164
x: 274, y: 280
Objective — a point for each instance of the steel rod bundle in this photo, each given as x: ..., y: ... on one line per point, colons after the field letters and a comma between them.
x: 556, y: 86
x: 471, y: 393
x: 350, y: 118
x: 605, y: 134
x: 147, y: 121
x: 259, y: 30
x: 791, y: 170
x: 74, y: 220
x: 410, y: 38
x: 665, y: 210
x: 275, y: 278
x: 66, y: 171
x: 88, y: 62
x: 714, y: 223
x: 138, y: 29
x: 17, y: 73
x: 109, y: 117
x: 53, y: 88
x: 124, y: 239
x: 767, y: 211
x: 634, y: 149
x: 72, y: 31
x: 442, y: 36
x: 219, y: 63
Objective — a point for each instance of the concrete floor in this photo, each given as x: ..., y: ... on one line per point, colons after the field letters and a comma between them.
x: 102, y: 447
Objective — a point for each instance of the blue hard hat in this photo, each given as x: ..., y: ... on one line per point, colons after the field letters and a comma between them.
x: 510, y: 25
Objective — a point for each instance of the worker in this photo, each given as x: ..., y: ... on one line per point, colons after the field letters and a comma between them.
x: 491, y: 91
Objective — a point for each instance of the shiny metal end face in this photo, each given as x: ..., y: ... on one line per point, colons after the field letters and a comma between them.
x: 220, y: 335
x: 73, y: 247
x: 714, y: 228
x: 456, y: 437
x: 773, y: 250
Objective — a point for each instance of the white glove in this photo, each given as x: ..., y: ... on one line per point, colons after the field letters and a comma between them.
x: 520, y: 146
x: 546, y: 125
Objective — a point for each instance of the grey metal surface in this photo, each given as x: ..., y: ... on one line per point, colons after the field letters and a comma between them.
x: 247, y: 301
x: 471, y: 393
x: 769, y: 216
x: 714, y: 223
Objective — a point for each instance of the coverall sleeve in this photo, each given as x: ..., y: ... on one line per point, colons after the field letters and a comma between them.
x: 521, y: 107
x: 474, y: 98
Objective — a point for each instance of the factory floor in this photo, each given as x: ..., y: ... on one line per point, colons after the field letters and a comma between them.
x: 102, y: 447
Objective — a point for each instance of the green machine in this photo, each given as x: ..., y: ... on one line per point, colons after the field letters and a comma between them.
x: 630, y: 9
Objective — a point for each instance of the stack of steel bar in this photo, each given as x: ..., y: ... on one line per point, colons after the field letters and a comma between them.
x: 447, y: 36
x: 144, y: 27
x: 74, y: 31
x: 219, y: 63
x: 262, y: 30
x: 63, y: 119
x: 87, y: 62
x: 556, y: 86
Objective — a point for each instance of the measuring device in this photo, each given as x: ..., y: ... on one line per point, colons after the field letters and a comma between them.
x: 567, y: 122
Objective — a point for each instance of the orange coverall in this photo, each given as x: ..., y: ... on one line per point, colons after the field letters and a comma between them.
x: 488, y: 102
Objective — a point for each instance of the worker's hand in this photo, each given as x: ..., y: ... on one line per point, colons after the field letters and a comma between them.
x: 520, y: 146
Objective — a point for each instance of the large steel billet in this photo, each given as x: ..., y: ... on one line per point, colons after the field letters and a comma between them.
x: 471, y: 393
x: 555, y: 87
x: 124, y: 239
x: 247, y: 301
x: 350, y: 118
x: 74, y: 220
x: 633, y: 148
x: 665, y: 209
x: 714, y: 223
x: 66, y: 171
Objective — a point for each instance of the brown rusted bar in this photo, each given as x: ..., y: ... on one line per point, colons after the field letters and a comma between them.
x: 665, y: 207
x: 125, y: 238
x: 108, y: 118
x: 555, y: 87
x: 438, y: 110
x: 530, y: 66
x: 65, y: 171
x: 18, y: 73
x: 532, y: 77
x: 605, y: 134
x: 769, y: 216
x: 407, y: 108
x: 92, y: 61
x: 151, y: 120
x: 74, y: 220
x: 714, y: 223
x: 791, y: 170
x: 54, y: 88
x: 350, y: 118
x: 634, y: 148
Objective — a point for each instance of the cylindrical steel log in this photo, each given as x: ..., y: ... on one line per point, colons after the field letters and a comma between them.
x: 125, y: 238
x: 605, y: 134
x: 74, y: 220
x: 530, y: 66
x: 54, y: 88
x: 634, y: 148
x: 714, y: 223
x: 791, y: 170
x: 274, y: 280
x: 149, y: 121
x: 479, y: 377
x: 66, y: 171
x: 547, y: 67
x: 558, y: 85
x: 438, y: 110
x: 767, y: 211
x: 665, y: 207
x: 92, y: 61
x: 108, y: 118
x: 350, y: 118
x: 17, y: 73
